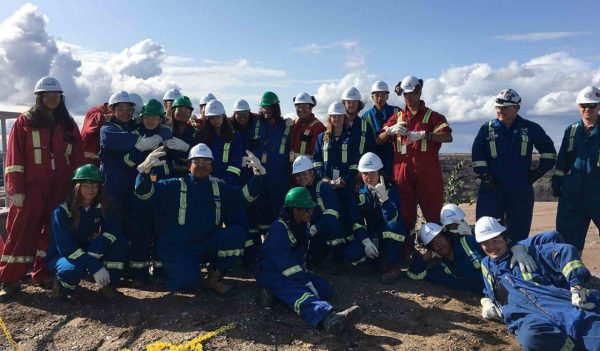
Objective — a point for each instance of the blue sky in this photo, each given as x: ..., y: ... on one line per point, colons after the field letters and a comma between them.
x: 466, y: 52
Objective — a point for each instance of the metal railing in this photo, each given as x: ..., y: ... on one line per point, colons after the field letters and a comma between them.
x: 4, y: 116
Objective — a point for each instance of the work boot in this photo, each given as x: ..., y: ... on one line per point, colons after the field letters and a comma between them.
x: 7, y: 290
x: 336, y: 322
x: 110, y: 292
x: 214, y: 281
x: 266, y: 297
x: 59, y: 293
x: 391, y: 274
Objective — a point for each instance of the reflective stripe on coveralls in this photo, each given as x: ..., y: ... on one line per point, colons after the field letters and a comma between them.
x: 303, y: 143
x: 37, y: 146
x: 216, y: 197
x: 324, y: 211
x: 424, y: 140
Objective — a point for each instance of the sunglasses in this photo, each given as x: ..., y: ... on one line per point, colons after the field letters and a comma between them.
x: 502, y: 101
x: 590, y: 106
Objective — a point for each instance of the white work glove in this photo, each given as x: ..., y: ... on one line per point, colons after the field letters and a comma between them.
x: 289, y: 122
x: 17, y: 199
x: 463, y: 227
x: 396, y: 129
x: 95, y: 255
x: 336, y: 183
x: 489, y: 310
x: 254, y: 162
x: 312, y: 288
x: 313, y: 230
x: 152, y: 160
x: 176, y: 144
x: 381, y: 191
x: 102, y: 277
x: 520, y: 255
x: 416, y: 136
x: 370, y: 249
x: 148, y: 143
x: 579, y: 298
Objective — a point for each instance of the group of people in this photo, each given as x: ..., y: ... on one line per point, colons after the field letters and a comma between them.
x: 148, y: 191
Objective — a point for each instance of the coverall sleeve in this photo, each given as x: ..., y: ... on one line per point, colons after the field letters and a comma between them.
x: 111, y: 229
x: 390, y: 207
x: 67, y: 247
x: 234, y: 166
x: 545, y: 146
x: 565, y: 259
x: 330, y: 216
x: 488, y: 289
x: 358, y: 219
x: 14, y: 163
x: 165, y: 132
x: 479, y: 153
x: 146, y: 189
x: 114, y: 138
x: 562, y: 166
x: 240, y: 197
x: 280, y: 251
x: 318, y: 158
x: 551, y: 236
x: 369, y: 139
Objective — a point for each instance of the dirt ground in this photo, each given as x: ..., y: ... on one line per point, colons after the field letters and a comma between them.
x: 407, y: 315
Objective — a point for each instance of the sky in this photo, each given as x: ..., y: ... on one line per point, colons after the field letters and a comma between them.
x: 465, y: 51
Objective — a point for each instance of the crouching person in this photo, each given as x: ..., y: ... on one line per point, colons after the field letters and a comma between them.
x: 87, y: 236
x: 281, y: 267
x: 549, y: 308
x: 190, y: 213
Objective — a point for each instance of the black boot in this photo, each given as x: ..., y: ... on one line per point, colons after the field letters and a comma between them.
x: 336, y: 322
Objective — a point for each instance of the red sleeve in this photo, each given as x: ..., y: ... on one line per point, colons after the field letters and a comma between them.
x: 391, y: 121
x: 14, y: 171
x: 440, y: 124
x: 319, y: 128
x: 90, y: 132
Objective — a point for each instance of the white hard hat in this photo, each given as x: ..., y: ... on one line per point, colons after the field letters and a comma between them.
x: 301, y: 164
x: 120, y: 96
x: 200, y: 150
x: 241, y: 105
x: 336, y: 108
x: 214, y: 108
x: 172, y: 94
x: 379, y: 86
x: 139, y: 103
x: 487, y: 228
x: 451, y: 212
x: 428, y: 231
x: 507, y: 97
x: 206, y: 98
x: 351, y: 94
x: 410, y: 83
x: 303, y: 98
x: 47, y: 84
x: 588, y: 95
x: 369, y: 162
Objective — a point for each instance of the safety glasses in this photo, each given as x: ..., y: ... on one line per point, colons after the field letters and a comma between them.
x: 590, y: 106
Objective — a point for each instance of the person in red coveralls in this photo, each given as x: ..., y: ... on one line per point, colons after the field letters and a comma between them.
x: 417, y: 133
x: 44, y: 148
x: 90, y: 132
x: 307, y: 127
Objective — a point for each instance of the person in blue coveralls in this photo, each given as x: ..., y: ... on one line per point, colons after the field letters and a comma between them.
x: 184, y: 136
x: 360, y: 129
x: 190, y: 212
x: 502, y: 155
x: 281, y: 267
x: 576, y: 181
x: 324, y: 226
x: 118, y: 142
x: 376, y: 224
x: 87, y: 237
x: 376, y: 117
x: 141, y: 226
x: 547, y: 309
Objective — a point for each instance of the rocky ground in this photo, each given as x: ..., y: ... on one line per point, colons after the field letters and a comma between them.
x: 407, y: 315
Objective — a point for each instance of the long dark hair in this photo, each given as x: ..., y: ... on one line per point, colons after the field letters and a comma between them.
x: 74, y: 202
x: 42, y: 118
x: 205, y: 134
x: 276, y: 112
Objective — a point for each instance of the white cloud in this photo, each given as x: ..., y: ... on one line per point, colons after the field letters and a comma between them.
x: 355, y: 55
x: 539, y: 36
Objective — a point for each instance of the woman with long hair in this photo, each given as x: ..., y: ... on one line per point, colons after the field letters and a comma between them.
x: 184, y: 136
x: 86, y: 237
x: 226, y: 144
x: 44, y: 147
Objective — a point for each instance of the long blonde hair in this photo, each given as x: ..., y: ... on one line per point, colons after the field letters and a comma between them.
x: 329, y: 128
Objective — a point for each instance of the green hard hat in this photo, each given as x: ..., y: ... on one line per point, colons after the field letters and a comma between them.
x: 299, y: 197
x: 88, y: 172
x: 153, y: 107
x: 269, y: 98
x: 183, y: 101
